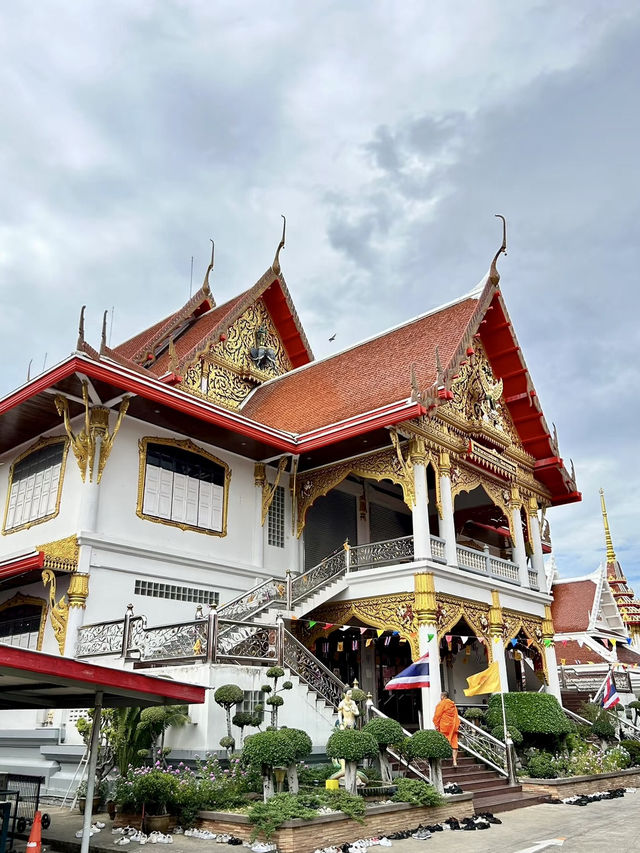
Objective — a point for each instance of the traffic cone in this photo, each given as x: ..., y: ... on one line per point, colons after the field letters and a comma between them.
x: 34, y: 844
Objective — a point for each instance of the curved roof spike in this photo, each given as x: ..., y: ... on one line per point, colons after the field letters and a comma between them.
x: 275, y: 266
x: 494, y: 275
x: 103, y: 341
x: 611, y: 554
x: 205, y: 283
x: 81, y: 328
x: 29, y: 370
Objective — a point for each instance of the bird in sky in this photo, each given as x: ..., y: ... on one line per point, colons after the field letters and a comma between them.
x: 332, y: 338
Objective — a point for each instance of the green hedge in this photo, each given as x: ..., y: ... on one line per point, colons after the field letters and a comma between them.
x: 530, y: 713
x: 427, y: 744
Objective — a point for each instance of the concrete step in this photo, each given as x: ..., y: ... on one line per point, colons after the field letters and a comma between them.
x: 472, y: 775
x: 480, y: 788
x: 515, y: 799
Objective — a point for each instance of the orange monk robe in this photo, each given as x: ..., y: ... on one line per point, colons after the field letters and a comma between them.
x: 447, y: 721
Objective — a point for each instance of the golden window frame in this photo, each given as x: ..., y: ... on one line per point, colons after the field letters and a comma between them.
x: 19, y: 599
x: 38, y: 445
x: 183, y: 444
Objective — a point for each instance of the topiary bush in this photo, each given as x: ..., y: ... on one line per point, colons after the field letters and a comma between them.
x: 538, y: 716
x: 352, y: 746
x: 417, y: 792
x: 387, y: 733
x: 268, y: 750
x: 301, y: 743
x: 541, y: 766
x: 428, y: 744
x: 476, y: 715
x: 601, y: 724
x: 516, y: 735
x: 227, y: 696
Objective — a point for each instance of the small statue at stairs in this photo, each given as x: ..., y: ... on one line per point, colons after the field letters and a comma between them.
x: 348, y: 711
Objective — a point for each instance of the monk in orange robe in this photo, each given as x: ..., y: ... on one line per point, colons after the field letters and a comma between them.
x: 447, y: 722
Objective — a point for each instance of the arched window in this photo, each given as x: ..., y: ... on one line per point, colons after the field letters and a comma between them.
x: 22, y: 621
x: 183, y: 485
x: 35, y: 484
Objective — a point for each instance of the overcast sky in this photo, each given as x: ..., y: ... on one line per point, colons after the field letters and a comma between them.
x: 389, y: 133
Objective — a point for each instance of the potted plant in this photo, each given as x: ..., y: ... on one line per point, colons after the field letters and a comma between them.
x: 154, y: 791
x: 82, y: 796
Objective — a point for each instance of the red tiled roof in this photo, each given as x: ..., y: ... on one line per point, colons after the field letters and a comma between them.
x: 573, y: 653
x: 627, y: 654
x: 200, y: 329
x: 365, y: 377
x: 572, y: 604
x: 129, y: 348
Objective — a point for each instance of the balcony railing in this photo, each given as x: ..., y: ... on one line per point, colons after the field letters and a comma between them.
x: 483, y: 563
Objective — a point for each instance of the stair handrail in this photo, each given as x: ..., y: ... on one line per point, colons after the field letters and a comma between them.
x: 634, y: 734
x: 576, y: 717
x: 252, y: 601
x: 483, y: 746
x: 330, y: 567
x: 312, y: 671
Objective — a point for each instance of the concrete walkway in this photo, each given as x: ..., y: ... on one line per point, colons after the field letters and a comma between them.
x: 608, y: 825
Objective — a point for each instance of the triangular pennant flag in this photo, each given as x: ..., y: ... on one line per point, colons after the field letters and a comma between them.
x: 294, y: 618
x: 448, y: 637
x: 529, y: 642
x: 312, y: 623
x: 514, y: 643
x: 613, y: 642
x: 369, y: 641
x: 564, y: 642
x: 430, y: 637
x: 396, y: 633
x: 344, y: 628
x: 363, y: 631
x: 328, y: 625
x: 464, y: 639
x: 581, y: 643
x: 563, y: 661
x: 380, y: 632
x: 628, y: 641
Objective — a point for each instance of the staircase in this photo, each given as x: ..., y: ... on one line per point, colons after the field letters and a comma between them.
x: 491, y: 790
x: 572, y: 700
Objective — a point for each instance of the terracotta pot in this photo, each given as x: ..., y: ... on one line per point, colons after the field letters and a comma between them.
x: 82, y: 802
x: 156, y: 823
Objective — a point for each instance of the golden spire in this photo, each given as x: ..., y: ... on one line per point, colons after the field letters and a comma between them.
x: 611, y: 554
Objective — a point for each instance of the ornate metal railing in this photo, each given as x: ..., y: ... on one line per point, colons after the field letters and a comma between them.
x: 248, y: 643
x: 173, y: 642
x: 628, y: 730
x: 331, y: 567
x: 311, y: 671
x: 483, y: 746
x: 387, y: 552
x: 259, y: 597
x: 103, y: 638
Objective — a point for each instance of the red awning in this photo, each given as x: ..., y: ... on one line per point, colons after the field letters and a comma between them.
x: 30, y: 679
x: 22, y: 565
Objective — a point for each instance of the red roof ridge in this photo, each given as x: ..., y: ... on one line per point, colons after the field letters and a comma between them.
x: 473, y: 294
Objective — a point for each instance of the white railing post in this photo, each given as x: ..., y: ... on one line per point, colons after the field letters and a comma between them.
x: 280, y: 639
x: 212, y: 632
x: 347, y: 554
x: 289, y: 589
x: 126, y: 628
x: 487, y: 558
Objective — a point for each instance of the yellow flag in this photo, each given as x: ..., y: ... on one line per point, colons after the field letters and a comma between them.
x: 487, y: 681
x: 380, y: 632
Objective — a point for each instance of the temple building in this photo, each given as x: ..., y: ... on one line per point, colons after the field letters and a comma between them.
x: 206, y: 498
x: 596, y: 621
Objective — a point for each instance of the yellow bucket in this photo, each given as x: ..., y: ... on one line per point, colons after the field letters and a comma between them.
x: 332, y: 784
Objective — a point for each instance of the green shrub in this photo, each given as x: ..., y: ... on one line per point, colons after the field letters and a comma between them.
x: 542, y: 766
x: 633, y: 748
x: 342, y: 801
x: 275, y: 701
x: 228, y: 695
x: 268, y: 749
x: 476, y: 715
x: 299, y: 740
x: 352, y: 745
x: 275, y: 672
x: 386, y: 732
x: 593, y: 759
x: 427, y: 744
x: 538, y: 716
x: 155, y: 790
x: 317, y: 773
x: 267, y: 817
x: 516, y: 734
x: 601, y: 724
x: 417, y: 793
x: 227, y: 742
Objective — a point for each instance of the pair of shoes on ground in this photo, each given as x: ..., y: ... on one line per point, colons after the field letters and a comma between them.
x: 160, y: 838
x: 122, y: 841
x: 201, y: 833
x: 422, y: 834
x: 95, y: 828
x: 263, y: 847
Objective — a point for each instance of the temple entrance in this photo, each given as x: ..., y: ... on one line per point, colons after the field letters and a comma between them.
x: 373, y: 660
x: 525, y: 669
x: 462, y: 655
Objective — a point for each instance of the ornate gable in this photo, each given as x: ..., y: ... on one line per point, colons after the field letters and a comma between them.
x: 247, y: 354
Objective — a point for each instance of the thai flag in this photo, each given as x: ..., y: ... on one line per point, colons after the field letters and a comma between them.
x: 416, y: 675
x: 610, y: 696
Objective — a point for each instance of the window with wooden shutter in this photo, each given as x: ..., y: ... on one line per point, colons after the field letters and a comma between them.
x: 35, y: 484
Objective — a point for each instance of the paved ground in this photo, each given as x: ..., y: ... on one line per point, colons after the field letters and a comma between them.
x: 608, y: 825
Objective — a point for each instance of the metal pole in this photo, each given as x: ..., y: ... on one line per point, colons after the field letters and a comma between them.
x: 289, y: 589
x: 280, y: 639
x: 212, y: 638
x: 511, y: 770
x: 91, y: 773
x: 126, y: 630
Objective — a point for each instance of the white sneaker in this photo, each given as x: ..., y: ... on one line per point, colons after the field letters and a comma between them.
x: 95, y: 827
x: 123, y: 840
x: 118, y: 831
x: 100, y: 825
x: 385, y: 842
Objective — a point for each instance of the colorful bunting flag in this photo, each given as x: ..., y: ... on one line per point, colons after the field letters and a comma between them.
x: 464, y: 639
x: 380, y: 632
x: 430, y: 637
x: 369, y: 641
x: 312, y: 623
x: 363, y: 631
x: 514, y: 643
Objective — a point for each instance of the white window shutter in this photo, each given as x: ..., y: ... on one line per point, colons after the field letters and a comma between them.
x: 217, y: 498
x: 179, y: 498
x: 204, y: 505
x: 191, y: 515
x: 151, y: 490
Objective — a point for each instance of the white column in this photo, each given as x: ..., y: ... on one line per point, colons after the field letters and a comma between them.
x: 90, y: 495
x: 552, y: 671
x: 431, y: 694
x: 77, y: 593
x: 420, y: 513
x: 536, y: 542
x: 519, y: 550
x: 257, y: 550
x: 447, y: 527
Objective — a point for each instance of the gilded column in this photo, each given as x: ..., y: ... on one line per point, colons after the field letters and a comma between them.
x: 77, y: 594
x: 550, y: 654
x: 425, y: 608
x: 447, y: 527
x: 420, y: 511
x: 536, y: 542
x: 519, y: 550
x: 260, y: 479
x: 496, y: 626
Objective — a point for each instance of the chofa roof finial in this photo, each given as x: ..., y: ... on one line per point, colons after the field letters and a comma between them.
x: 205, y: 283
x: 80, y: 343
x: 275, y: 266
x: 494, y: 275
x: 103, y: 341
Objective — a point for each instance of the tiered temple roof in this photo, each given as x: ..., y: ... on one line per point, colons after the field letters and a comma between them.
x: 628, y: 604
